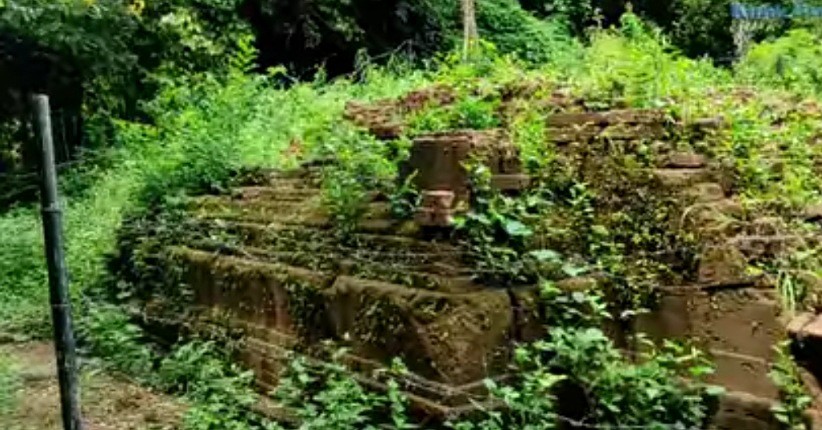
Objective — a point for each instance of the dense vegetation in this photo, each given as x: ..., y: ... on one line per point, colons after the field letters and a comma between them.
x: 101, y: 59
x: 173, y: 89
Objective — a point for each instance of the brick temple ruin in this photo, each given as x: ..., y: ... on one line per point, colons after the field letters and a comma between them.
x: 398, y: 291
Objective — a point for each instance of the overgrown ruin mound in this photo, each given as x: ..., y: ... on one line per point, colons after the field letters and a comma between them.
x: 502, y: 190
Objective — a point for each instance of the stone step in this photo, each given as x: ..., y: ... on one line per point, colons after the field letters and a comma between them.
x: 271, y: 294
x: 439, y: 271
x: 449, y: 338
x: 743, y: 373
x: 711, y: 219
x: 738, y: 326
x: 684, y: 160
x: 626, y: 116
x: 805, y: 331
x: 760, y: 247
x: 259, y: 212
x: 619, y: 132
x: 318, y: 221
x: 683, y: 178
x: 705, y: 192
x: 275, y: 193
x: 447, y: 255
x: 454, y: 338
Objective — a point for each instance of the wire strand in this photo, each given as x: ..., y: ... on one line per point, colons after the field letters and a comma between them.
x: 87, y: 157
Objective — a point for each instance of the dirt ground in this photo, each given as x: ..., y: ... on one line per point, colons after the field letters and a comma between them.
x: 109, y: 402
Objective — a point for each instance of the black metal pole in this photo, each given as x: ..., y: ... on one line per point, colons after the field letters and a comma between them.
x: 64, y: 344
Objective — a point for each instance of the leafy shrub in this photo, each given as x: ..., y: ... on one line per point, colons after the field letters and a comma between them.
x: 530, y: 403
x: 361, y: 165
x: 499, y: 232
x: 698, y: 28
x: 113, y: 43
x: 648, y: 391
x: 637, y: 64
x: 792, y: 62
x: 513, y: 30
x: 793, y: 396
x: 469, y: 113
x: 222, y: 393
x: 330, y: 400
x: 108, y: 333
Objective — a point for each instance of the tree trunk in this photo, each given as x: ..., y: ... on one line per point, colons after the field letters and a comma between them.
x: 469, y: 21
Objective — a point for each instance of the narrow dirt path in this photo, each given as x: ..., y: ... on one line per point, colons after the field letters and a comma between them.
x: 109, y: 402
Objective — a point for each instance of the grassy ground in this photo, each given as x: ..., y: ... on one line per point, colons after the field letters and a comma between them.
x: 109, y: 402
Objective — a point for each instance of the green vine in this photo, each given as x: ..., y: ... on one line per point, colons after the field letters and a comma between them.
x: 794, y: 400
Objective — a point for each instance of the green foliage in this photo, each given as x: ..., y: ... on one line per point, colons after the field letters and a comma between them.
x: 794, y: 400
x: 697, y: 27
x: 702, y: 28
x: 206, y: 128
x: 332, y: 34
x: 648, y: 391
x: 94, y: 36
x: 113, y: 43
x: 361, y: 165
x: 222, y: 393
x: 791, y: 62
x: 109, y: 334
x: 529, y: 133
x: 530, y: 404
x: 99, y: 61
x: 636, y: 64
x: 577, y: 357
x: 513, y: 30
x: 204, y: 131
x: 405, y: 198
x: 326, y: 396
x: 577, y: 15
x: 499, y: 232
x: 471, y: 112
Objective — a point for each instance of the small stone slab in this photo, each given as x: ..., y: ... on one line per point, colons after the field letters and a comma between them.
x: 709, y: 123
x: 438, y: 199
x: 806, y: 326
x: 722, y: 265
x: 427, y: 217
x: 592, y: 132
x: 813, y: 213
x: 516, y: 182
x: 677, y: 178
x: 706, y: 192
x: 685, y: 160
x: 581, y: 284
x: 628, y: 116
